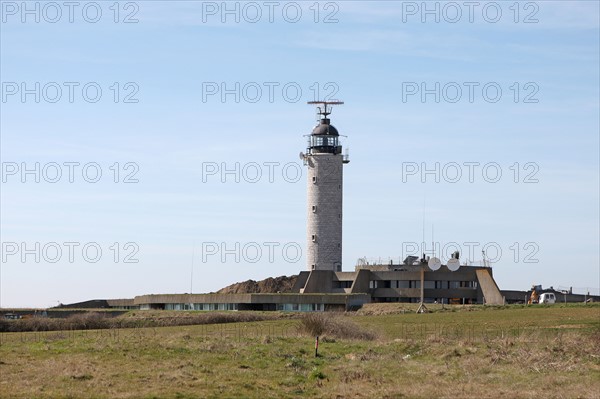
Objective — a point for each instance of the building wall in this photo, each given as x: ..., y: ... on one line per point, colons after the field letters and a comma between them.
x: 319, y: 281
x: 361, y: 281
x: 324, y: 214
x: 400, y: 283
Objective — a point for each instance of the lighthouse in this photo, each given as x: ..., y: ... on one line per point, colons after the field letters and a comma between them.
x: 324, y: 161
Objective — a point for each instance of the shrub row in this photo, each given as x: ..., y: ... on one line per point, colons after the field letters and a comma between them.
x: 97, y: 321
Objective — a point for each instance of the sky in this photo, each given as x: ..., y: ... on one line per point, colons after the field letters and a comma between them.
x: 152, y: 146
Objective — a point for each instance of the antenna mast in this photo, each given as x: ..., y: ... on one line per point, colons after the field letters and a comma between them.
x: 192, y: 271
x: 423, y: 242
x: 322, y: 107
x: 432, y: 242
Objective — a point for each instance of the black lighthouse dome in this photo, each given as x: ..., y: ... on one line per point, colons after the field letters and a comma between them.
x: 324, y: 128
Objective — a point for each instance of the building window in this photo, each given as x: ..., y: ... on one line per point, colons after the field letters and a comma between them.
x: 345, y: 284
x: 314, y: 209
x: 313, y: 267
x: 314, y: 238
x: 314, y: 179
x: 308, y: 307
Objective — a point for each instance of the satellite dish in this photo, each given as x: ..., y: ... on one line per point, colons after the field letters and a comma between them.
x: 302, y: 156
x: 434, y: 264
x: 453, y: 264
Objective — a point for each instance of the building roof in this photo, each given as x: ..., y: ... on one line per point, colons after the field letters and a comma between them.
x: 325, y: 129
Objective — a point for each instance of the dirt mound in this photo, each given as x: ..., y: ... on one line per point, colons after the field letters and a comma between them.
x: 283, y: 284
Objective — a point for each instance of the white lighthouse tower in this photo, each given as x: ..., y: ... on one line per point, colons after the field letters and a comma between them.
x: 325, y: 162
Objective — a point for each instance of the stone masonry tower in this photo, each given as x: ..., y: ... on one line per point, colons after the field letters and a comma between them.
x: 325, y: 162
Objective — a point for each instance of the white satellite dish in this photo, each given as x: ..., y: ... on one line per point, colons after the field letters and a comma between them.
x: 302, y: 156
x: 434, y: 264
x: 453, y: 264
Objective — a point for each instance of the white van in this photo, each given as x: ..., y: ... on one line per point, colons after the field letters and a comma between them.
x: 548, y: 297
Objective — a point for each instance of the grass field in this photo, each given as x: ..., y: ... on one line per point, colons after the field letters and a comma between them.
x: 461, y: 352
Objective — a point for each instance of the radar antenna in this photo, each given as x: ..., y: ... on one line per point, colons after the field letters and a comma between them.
x: 323, y: 110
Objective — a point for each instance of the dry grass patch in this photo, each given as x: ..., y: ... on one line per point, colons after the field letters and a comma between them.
x: 270, y: 359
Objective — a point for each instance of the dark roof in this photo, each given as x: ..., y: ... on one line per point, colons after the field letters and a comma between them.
x: 324, y: 128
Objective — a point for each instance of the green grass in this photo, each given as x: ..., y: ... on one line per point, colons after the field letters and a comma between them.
x: 514, y: 320
x: 510, y: 352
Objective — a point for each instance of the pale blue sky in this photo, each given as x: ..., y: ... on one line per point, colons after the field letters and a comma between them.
x: 368, y: 54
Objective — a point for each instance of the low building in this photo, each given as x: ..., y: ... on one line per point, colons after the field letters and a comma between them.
x: 402, y: 283
x: 264, y: 302
x: 323, y: 290
x: 327, y: 290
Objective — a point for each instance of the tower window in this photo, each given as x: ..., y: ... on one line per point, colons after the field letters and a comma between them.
x: 314, y: 179
x: 314, y: 238
x: 314, y: 209
x: 313, y: 267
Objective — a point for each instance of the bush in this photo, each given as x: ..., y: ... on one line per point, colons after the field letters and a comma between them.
x: 314, y: 324
x: 330, y: 325
x: 88, y: 321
